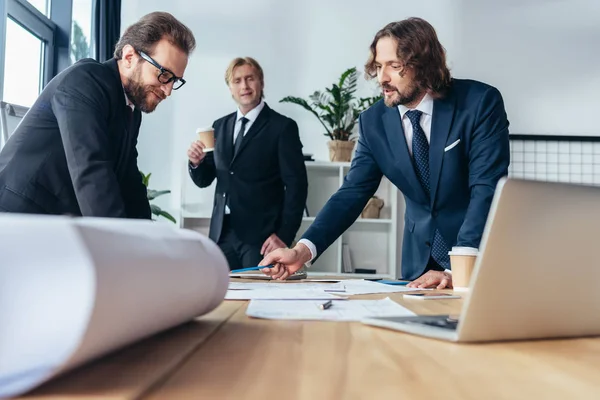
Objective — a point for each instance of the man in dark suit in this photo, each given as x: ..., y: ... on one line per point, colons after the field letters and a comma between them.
x: 442, y: 142
x: 261, y: 177
x: 74, y: 152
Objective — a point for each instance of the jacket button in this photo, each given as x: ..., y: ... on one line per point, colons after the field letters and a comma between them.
x: 223, y: 194
x: 427, y: 243
x: 435, y: 214
x: 230, y: 172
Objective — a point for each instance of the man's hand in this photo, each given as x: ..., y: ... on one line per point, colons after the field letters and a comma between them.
x: 437, y: 279
x: 196, y: 153
x: 272, y: 243
x: 285, y: 261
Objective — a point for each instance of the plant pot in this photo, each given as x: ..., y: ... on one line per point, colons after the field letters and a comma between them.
x: 373, y: 208
x: 340, y: 150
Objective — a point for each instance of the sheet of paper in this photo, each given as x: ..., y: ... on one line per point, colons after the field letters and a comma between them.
x: 279, y: 294
x: 361, y: 286
x: 326, y: 287
x: 92, y: 286
x: 341, y: 310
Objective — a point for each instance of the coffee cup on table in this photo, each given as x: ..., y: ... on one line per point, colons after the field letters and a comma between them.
x: 462, y: 263
x: 207, y: 137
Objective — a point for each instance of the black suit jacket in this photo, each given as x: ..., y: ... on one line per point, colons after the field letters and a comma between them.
x: 265, y: 181
x: 74, y: 152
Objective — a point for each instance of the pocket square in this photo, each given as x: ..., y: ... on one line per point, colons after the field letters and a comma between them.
x: 451, y: 146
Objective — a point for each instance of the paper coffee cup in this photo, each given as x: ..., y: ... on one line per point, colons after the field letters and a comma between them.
x: 207, y: 136
x: 462, y: 263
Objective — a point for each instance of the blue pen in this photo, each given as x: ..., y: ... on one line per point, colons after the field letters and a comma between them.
x: 257, y: 268
x: 388, y: 282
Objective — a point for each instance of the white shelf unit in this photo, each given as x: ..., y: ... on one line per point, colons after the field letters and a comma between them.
x: 196, y: 204
x: 372, y: 243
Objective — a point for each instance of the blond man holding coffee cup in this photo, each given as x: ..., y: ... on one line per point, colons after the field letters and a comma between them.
x: 255, y: 154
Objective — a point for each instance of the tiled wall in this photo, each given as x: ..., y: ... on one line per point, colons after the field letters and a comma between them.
x: 555, y: 159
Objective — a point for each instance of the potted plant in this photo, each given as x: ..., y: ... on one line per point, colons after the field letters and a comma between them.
x: 337, y: 109
x: 152, y: 194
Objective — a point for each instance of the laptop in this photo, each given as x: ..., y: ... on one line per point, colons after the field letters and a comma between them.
x: 537, y: 275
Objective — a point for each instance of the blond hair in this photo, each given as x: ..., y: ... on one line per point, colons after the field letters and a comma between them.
x: 238, y: 62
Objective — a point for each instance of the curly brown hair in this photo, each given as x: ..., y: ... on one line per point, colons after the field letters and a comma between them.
x: 420, y: 50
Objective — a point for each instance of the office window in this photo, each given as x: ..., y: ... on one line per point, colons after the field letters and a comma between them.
x: 23, y: 71
x: 81, y: 32
x: 28, y: 56
x: 41, y: 5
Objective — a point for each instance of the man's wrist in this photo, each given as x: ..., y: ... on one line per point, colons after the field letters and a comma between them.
x: 194, y: 166
x: 304, y: 251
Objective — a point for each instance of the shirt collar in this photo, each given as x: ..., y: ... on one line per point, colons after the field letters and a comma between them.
x: 425, y: 106
x: 252, y: 114
x: 127, y: 101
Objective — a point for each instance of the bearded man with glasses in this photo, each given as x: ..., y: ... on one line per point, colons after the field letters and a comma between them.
x: 74, y: 152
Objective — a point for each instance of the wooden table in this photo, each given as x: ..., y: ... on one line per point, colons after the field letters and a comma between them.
x: 227, y: 355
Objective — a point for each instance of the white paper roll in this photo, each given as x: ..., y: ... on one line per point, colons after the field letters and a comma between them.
x: 74, y: 289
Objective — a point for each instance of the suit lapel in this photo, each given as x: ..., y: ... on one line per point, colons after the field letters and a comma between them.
x: 225, y: 139
x: 395, y: 137
x: 257, y: 126
x: 443, y: 113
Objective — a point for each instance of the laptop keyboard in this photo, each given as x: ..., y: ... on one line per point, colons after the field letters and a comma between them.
x: 439, y: 322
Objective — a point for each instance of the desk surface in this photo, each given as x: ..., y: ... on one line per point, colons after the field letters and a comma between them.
x: 226, y: 354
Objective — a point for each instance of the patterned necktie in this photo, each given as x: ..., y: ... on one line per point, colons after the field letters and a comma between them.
x: 439, y: 248
x: 240, y: 135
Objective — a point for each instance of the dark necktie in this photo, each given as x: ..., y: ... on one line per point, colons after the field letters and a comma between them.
x: 420, y: 147
x: 240, y: 135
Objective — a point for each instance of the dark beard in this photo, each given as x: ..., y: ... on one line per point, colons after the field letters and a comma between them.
x: 138, y: 93
x: 409, y: 97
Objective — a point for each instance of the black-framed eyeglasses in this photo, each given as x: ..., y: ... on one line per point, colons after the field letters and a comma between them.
x: 165, y: 77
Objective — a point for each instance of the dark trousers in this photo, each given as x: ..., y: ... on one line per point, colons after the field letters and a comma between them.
x: 238, y: 253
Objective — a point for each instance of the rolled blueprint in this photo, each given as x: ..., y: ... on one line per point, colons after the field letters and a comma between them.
x: 74, y: 289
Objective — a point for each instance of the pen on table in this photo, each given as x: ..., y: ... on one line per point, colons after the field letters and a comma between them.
x: 326, y: 305
x: 257, y: 268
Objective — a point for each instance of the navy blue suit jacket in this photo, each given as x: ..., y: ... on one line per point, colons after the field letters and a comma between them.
x: 462, y: 178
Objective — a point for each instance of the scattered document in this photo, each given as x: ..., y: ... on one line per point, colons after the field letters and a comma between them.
x: 279, y: 294
x: 361, y: 286
x: 94, y: 285
x: 326, y: 287
x: 341, y: 310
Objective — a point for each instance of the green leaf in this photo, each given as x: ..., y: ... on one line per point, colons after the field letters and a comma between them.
x: 159, y: 212
x: 303, y: 103
x: 168, y: 216
x: 156, y: 210
x: 349, y: 72
x: 145, y: 178
x: 152, y: 194
x: 337, y: 107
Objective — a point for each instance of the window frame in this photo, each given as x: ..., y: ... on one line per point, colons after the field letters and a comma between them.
x: 55, y: 32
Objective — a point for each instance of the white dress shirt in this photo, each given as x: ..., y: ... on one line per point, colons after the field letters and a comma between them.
x: 127, y: 101
x: 426, y: 107
x: 251, y: 116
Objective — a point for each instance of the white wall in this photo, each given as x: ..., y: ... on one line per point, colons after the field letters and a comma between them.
x: 539, y: 53
x: 544, y: 57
